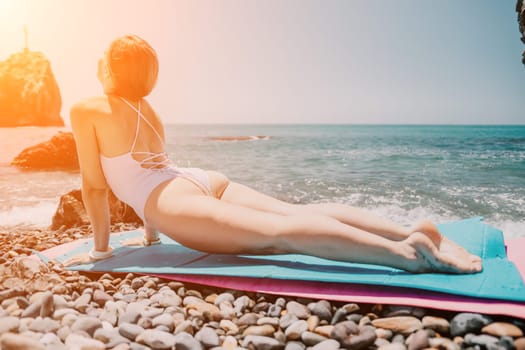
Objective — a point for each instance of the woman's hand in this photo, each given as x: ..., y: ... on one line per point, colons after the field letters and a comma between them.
x: 90, y: 257
x: 151, y: 237
x: 137, y: 241
x: 79, y: 259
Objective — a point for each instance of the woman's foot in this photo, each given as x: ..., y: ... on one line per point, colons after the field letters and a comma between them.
x: 427, y: 250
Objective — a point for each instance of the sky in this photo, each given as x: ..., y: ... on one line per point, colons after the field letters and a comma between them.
x: 293, y: 61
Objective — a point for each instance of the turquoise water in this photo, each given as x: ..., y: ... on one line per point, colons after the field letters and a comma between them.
x: 402, y: 172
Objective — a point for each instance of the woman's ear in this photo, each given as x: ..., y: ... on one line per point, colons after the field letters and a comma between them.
x: 105, y: 77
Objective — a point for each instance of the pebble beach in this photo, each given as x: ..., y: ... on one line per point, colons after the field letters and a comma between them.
x: 44, y: 306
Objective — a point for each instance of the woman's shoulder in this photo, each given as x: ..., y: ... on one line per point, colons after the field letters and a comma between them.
x: 96, y: 106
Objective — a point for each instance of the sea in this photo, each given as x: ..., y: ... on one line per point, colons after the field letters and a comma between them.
x: 401, y: 172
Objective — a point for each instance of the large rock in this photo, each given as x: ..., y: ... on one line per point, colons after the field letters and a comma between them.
x: 60, y: 152
x: 520, y: 9
x: 29, y: 94
x: 72, y: 213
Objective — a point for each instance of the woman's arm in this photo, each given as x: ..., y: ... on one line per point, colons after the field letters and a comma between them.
x: 94, y: 185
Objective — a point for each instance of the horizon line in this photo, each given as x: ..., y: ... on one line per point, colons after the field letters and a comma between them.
x: 356, y: 124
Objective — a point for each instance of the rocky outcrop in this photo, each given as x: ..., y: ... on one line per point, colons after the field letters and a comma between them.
x: 520, y: 9
x: 71, y: 212
x: 238, y: 138
x: 29, y: 94
x: 60, y: 152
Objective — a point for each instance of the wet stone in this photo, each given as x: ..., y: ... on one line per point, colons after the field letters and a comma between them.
x: 69, y: 319
x: 500, y: 329
x: 86, y: 324
x: 184, y: 341
x: 110, y: 337
x: 341, y: 330
x: 384, y: 333
x: 281, y: 302
x: 340, y: 315
x: 9, y: 324
x: 295, y: 330
x: 392, y: 346
x: 350, y: 308
x: 287, y: 320
x: 33, y: 310
x: 520, y: 343
x: 310, y: 338
x: 22, y: 302
x: 50, y: 338
x: 76, y: 341
x: 321, y: 309
x: 151, y: 312
x: 229, y: 326
x: 353, y: 337
x: 61, y: 313
x: 209, y: 311
x: 274, y: 310
x: 165, y: 320
x: 262, y: 343
x: 298, y: 310
x: 261, y: 307
x: 191, y: 300
x: 47, y: 305
x: 195, y: 293
x: 184, y: 327
x: 44, y: 325
x: 438, y: 324
x: 464, y: 323
x: 156, y: 339
x: 60, y: 302
x: 313, y: 321
x: 82, y: 302
x: 207, y: 337
x: 324, y: 330
x: 295, y: 345
x: 129, y: 316
x: 505, y: 343
x: 241, y: 303
x: 11, y: 341
x: 483, y: 340
x: 399, y: 324
x: 248, y: 319
x: 170, y: 300
x: 227, y: 311
x: 272, y: 321
x: 418, y: 340
x: 130, y: 331
x: 329, y: 344
x: 358, y: 318
x: 398, y: 338
x: 393, y: 311
x: 264, y: 330
x: 101, y: 298
x: 145, y: 322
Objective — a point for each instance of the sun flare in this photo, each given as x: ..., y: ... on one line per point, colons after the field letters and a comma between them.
x: 12, y: 13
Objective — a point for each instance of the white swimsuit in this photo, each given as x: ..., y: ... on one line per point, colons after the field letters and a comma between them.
x: 133, y: 181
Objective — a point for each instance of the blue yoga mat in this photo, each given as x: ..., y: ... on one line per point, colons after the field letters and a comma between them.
x: 500, y: 278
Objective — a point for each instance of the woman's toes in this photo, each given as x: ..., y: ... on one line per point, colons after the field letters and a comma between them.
x: 477, y: 266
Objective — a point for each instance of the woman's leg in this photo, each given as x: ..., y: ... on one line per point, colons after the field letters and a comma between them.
x: 208, y: 224
x: 239, y: 194
x: 365, y: 220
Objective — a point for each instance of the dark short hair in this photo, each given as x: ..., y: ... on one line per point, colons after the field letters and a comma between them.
x: 133, y: 66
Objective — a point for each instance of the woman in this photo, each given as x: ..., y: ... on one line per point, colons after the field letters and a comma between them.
x: 120, y: 142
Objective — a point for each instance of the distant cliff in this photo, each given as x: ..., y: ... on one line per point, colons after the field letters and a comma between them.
x: 29, y: 94
x: 520, y: 9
